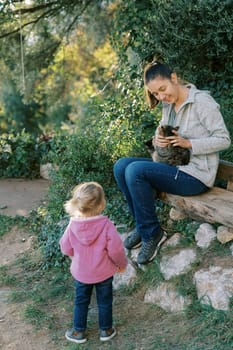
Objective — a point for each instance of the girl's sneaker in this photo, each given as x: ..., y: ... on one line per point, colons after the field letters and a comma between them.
x: 107, y: 334
x: 75, y: 336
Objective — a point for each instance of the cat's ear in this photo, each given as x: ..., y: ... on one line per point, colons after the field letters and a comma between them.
x: 176, y: 128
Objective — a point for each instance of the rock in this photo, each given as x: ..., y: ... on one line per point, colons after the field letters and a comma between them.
x: 125, y: 278
x: 167, y: 297
x: 215, y: 286
x: 176, y: 214
x: 179, y: 263
x: 46, y: 169
x: 224, y: 234
x: 231, y: 248
x: 173, y: 241
x: 205, y: 235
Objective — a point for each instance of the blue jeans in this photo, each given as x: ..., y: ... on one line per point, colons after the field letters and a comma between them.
x: 104, y: 296
x: 140, y: 178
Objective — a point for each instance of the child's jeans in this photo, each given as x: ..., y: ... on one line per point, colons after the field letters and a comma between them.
x: 104, y: 296
x: 140, y: 178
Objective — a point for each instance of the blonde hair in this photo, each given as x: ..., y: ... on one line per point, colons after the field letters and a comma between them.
x: 88, y: 199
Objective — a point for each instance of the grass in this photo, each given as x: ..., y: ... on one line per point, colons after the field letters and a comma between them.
x: 37, y: 317
x: 140, y: 326
x: 5, y: 224
x: 5, y: 278
x: 47, y: 300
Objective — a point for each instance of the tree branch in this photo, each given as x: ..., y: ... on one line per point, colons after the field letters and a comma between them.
x: 54, y: 9
x: 25, y: 25
x: 35, y: 8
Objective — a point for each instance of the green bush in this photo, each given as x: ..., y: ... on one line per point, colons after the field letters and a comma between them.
x: 126, y: 123
x: 79, y: 157
x: 18, y: 155
x: 194, y: 37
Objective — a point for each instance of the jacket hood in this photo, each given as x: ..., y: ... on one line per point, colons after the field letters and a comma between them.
x: 193, y: 91
x: 87, y: 230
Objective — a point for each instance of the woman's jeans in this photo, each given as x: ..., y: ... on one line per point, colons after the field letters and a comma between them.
x: 140, y: 178
x: 104, y: 296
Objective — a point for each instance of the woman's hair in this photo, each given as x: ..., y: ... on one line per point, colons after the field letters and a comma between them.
x: 87, y: 198
x: 152, y: 71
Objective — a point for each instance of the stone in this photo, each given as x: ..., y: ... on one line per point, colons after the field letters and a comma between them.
x: 224, y: 234
x: 166, y: 297
x: 177, y: 264
x: 176, y: 214
x: 205, y: 235
x: 125, y: 278
x: 231, y: 249
x: 173, y: 241
x: 46, y: 169
x: 215, y: 286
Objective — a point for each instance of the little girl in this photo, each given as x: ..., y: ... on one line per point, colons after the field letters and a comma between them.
x: 97, y: 253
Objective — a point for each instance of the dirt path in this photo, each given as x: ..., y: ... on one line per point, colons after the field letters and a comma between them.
x: 18, y: 197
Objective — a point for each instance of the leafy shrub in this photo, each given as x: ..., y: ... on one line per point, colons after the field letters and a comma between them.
x: 79, y: 157
x: 125, y: 123
x: 18, y: 155
x: 49, y: 244
x: 171, y: 30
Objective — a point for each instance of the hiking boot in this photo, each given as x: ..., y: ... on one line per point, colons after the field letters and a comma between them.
x: 150, y: 249
x: 75, y: 336
x: 133, y: 240
x: 107, y: 334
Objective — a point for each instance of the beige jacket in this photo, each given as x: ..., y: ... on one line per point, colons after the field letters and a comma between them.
x: 200, y: 120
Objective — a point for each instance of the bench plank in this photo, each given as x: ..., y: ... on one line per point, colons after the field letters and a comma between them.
x: 213, y: 206
x: 225, y: 171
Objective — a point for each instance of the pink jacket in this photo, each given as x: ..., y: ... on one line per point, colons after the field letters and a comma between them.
x: 95, y: 247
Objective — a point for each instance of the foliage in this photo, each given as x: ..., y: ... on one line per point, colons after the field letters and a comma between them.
x: 84, y: 79
x: 18, y: 157
x: 125, y: 124
x: 6, y: 223
x: 57, y: 57
x: 79, y: 157
x: 17, y: 113
x: 171, y: 30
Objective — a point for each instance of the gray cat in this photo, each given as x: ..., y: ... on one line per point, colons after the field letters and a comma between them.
x: 173, y: 155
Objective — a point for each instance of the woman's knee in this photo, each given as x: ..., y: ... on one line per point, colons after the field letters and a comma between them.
x: 119, y: 166
x: 133, y: 172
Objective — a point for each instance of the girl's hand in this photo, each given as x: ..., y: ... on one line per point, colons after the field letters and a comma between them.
x: 177, y: 140
x: 119, y: 270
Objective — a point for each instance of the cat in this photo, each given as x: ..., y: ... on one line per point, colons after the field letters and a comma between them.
x: 172, y: 155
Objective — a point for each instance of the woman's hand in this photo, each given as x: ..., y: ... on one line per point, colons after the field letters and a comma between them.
x: 160, y: 141
x: 177, y: 140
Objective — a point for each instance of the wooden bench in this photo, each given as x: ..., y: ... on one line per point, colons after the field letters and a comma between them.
x: 213, y: 206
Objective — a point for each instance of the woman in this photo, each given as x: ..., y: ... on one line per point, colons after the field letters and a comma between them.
x: 201, y: 130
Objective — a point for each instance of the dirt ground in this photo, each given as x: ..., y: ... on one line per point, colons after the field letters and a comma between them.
x: 18, y: 197
x: 138, y: 327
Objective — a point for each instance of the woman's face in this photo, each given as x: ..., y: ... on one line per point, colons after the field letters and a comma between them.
x: 164, y: 89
